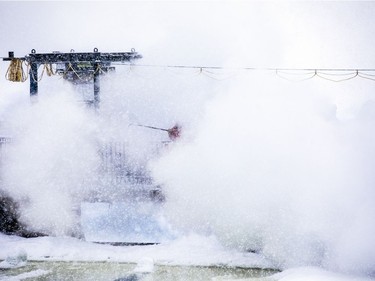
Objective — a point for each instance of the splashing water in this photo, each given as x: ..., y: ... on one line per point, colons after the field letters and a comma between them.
x: 275, y: 169
x: 265, y: 165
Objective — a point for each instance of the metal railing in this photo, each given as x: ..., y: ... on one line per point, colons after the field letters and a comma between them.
x: 115, y: 166
x: 4, y: 142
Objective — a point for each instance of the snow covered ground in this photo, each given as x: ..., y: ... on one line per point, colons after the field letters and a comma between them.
x: 192, y: 250
x: 314, y: 274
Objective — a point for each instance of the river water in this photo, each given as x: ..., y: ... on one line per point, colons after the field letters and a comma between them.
x: 111, y: 271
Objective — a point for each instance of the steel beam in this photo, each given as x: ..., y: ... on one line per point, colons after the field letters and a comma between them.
x: 99, y: 61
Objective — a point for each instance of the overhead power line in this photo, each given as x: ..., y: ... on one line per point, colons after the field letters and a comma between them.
x: 246, y: 68
x: 291, y: 74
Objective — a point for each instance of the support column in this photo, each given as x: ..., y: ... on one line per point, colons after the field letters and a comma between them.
x: 96, y: 85
x: 33, y: 74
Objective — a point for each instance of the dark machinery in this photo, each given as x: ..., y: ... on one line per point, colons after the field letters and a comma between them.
x: 75, y: 67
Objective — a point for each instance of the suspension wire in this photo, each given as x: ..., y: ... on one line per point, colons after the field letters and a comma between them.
x: 366, y: 76
x: 284, y: 75
x: 330, y: 74
x: 353, y: 75
x: 49, y: 69
x: 339, y: 74
x: 193, y: 73
x: 99, y: 70
x: 219, y: 76
x: 70, y: 67
x: 250, y: 68
x: 16, y: 73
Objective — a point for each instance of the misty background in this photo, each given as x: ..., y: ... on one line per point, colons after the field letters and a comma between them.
x: 265, y: 164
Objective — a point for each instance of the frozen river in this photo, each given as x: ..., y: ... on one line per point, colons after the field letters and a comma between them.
x: 96, y: 271
x: 188, y: 258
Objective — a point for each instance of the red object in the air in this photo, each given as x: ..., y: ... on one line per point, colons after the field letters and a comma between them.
x: 174, y: 132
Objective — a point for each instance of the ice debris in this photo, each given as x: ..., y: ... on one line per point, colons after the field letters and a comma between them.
x: 16, y: 260
x: 144, y: 267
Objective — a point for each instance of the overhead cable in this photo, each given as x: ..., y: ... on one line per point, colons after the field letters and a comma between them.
x: 290, y: 74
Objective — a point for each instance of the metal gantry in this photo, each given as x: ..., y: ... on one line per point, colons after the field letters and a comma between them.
x: 75, y: 67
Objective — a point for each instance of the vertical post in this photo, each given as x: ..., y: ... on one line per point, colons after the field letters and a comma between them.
x: 33, y: 81
x: 96, y: 85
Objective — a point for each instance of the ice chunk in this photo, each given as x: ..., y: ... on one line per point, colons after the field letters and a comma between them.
x: 18, y: 259
x: 130, y: 277
x: 141, y: 272
x: 145, y: 265
x: 124, y: 222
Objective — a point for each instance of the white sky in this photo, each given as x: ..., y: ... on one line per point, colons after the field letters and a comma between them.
x: 250, y: 33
